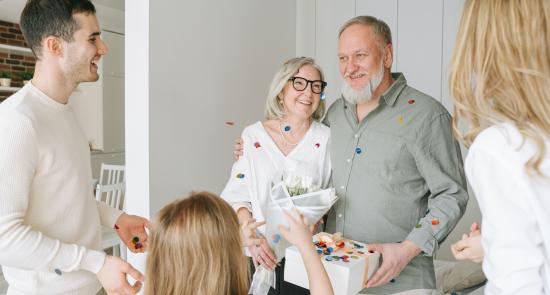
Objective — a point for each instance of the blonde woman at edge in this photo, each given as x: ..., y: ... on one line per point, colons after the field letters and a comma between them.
x: 500, y: 82
x: 196, y: 249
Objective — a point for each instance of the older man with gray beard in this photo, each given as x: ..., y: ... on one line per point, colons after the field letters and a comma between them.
x: 396, y: 167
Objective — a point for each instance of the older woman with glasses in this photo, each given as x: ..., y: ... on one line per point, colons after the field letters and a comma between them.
x: 290, y: 141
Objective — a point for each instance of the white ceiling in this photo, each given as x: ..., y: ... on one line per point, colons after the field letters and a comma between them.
x: 10, y: 10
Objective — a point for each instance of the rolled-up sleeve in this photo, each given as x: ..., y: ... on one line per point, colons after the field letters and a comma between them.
x: 439, y: 161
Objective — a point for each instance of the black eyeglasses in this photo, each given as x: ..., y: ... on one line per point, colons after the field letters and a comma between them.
x: 300, y: 84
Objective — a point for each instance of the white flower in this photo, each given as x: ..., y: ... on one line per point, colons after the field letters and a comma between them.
x: 298, y: 185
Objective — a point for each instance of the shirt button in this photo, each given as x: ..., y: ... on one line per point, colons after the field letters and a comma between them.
x: 342, y: 187
x: 348, y: 160
x: 339, y: 215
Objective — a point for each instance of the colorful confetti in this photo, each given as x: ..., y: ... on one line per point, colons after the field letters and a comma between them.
x: 401, y: 120
x: 276, y: 238
x: 137, y: 244
x: 116, y: 226
x: 328, y: 258
x: 418, y: 225
x: 435, y: 221
x: 317, y: 145
x: 240, y: 176
x: 358, y: 151
x: 230, y: 123
x: 257, y: 145
x: 411, y: 101
x: 287, y: 128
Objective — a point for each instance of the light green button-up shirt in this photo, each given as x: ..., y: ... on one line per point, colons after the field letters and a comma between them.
x: 399, y: 176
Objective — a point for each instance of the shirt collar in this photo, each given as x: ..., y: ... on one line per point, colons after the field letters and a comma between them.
x: 392, y: 93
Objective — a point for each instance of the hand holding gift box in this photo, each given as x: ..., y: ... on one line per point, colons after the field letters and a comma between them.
x: 348, y: 263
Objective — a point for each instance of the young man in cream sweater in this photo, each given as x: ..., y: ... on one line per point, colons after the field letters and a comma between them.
x: 50, y: 223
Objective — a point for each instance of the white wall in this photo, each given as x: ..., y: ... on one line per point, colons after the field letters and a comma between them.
x: 191, y: 66
x: 423, y: 33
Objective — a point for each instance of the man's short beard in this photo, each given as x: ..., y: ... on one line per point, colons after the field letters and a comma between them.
x: 363, y: 95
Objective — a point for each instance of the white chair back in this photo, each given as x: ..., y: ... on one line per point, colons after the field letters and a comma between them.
x: 111, y: 185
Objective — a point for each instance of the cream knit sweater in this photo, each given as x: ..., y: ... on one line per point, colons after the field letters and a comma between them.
x: 50, y: 223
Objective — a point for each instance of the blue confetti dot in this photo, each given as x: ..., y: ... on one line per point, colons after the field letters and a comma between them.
x: 328, y: 258
x: 358, y: 151
x: 287, y: 128
x: 240, y: 176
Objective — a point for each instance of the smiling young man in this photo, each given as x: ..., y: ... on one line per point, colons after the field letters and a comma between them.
x: 396, y: 166
x: 50, y: 224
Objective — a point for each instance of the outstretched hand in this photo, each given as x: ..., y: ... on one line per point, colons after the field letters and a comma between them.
x: 395, y: 256
x: 112, y: 277
x: 248, y: 232
x: 299, y: 232
x: 469, y: 247
x: 131, y: 230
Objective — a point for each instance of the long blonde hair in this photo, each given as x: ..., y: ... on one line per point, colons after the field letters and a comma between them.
x: 501, y: 70
x: 195, y: 249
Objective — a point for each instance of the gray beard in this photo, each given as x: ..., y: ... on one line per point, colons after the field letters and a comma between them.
x: 365, y: 94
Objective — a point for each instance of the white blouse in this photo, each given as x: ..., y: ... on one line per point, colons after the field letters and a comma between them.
x: 263, y: 164
x: 515, y: 209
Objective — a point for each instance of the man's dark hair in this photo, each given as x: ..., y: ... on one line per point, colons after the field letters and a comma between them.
x: 43, y: 18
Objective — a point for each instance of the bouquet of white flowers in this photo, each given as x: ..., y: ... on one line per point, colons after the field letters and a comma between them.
x: 293, y: 192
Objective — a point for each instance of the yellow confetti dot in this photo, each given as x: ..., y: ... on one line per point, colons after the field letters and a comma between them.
x: 401, y: 120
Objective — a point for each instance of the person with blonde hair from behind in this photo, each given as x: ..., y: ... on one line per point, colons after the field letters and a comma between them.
x: 196, y: 244
x: 500, y: 82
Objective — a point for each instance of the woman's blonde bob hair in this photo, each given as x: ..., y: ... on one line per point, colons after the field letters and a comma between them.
x: 273, y: 107
x: 501, y: 70
x: 195, y: 248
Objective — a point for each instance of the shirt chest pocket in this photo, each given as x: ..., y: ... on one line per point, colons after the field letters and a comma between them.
x: 383, y: 152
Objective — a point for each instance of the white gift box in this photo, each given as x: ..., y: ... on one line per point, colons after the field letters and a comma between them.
x: 349, y: 265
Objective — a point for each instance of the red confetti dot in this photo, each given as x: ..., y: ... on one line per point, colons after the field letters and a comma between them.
x: 317, y: 145
x: 435, y: 221
x: 116, y: 226
x: 411, y: 101
x: 257, y: 145
x: 230, y: 123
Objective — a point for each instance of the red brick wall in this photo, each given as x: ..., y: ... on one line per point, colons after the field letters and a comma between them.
x: 10, y: 34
